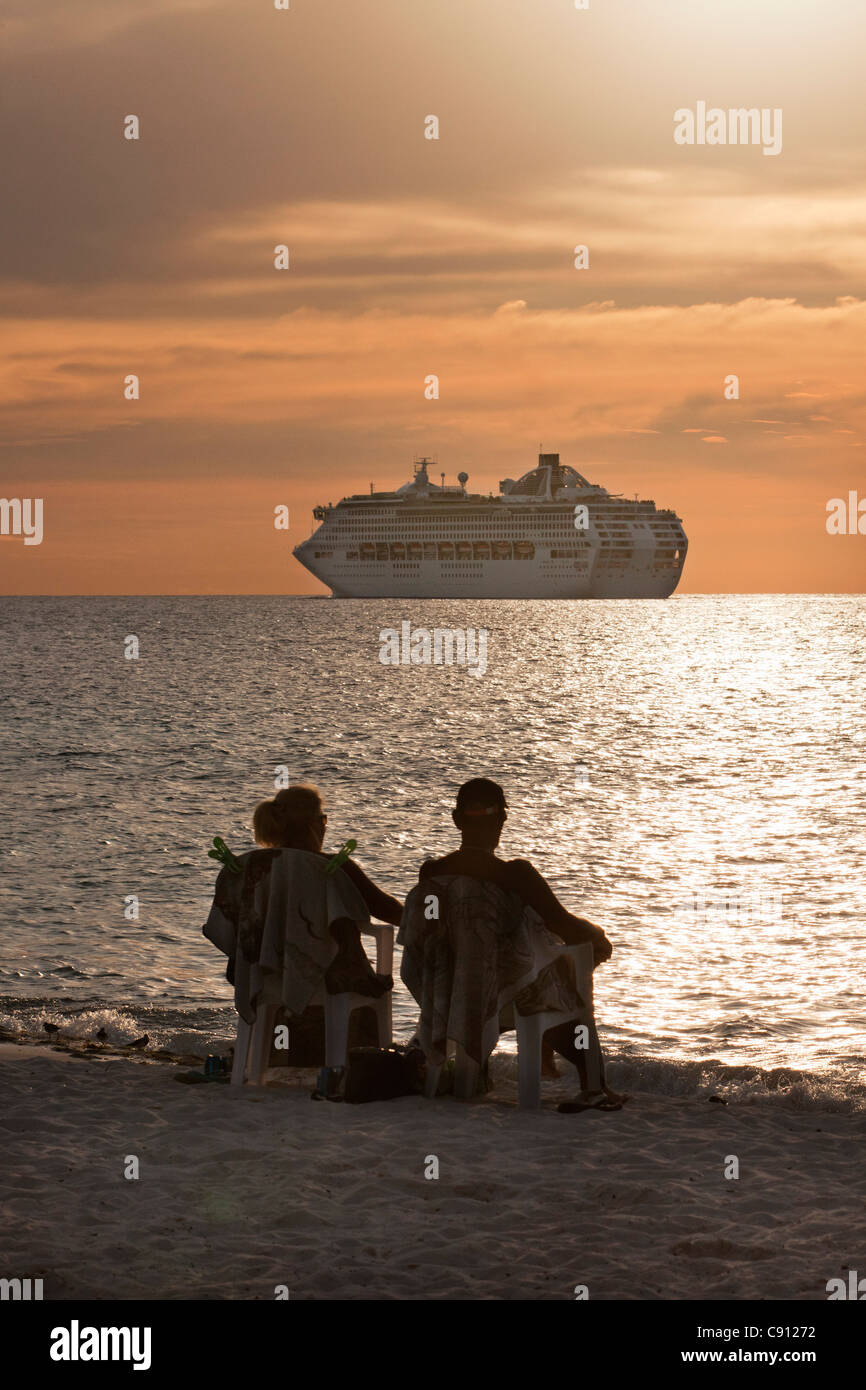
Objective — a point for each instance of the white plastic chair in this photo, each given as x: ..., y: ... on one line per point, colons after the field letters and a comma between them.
x: 530, y: 1031
x: 253, y: 1044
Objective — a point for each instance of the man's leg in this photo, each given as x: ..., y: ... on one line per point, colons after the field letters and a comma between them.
x: 561, y: 1039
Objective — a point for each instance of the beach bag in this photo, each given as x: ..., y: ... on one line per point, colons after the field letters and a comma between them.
x: 383, y: 1073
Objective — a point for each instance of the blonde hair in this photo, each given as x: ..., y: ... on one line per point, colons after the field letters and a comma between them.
x: 287, y: 817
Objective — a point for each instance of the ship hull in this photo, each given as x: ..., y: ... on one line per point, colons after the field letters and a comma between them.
x: 490, y: 579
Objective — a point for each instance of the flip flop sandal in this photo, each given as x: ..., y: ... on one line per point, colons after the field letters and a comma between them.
x: 574, y: 1107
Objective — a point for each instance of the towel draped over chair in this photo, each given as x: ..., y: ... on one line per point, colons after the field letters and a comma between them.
x: 485, y: 953
x: 273, y: 921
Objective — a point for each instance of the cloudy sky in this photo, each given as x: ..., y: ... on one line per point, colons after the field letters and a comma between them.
x: 411, y: 257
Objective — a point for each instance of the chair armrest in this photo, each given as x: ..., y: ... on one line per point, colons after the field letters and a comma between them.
x: 384, y: 934
x: 584, y: 961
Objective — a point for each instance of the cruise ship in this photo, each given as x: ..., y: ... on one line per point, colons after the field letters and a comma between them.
x: 550, y: 534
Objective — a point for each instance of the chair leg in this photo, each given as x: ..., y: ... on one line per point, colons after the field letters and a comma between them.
x: 384, y: 1024
x: 337, y: 1011
x: 466, y: 1073
x: 432, y: 1073
x: 529, y: 1061
x: 384, y: 951
x: 263, y: 1036
x: 431, y: 1081
x: 242, y: 1050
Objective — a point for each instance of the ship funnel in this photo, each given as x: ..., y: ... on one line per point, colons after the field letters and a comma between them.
x: 548, y: 460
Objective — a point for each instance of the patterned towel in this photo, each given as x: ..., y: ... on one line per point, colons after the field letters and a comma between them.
x: 273, y: 922
x: 485, y: 951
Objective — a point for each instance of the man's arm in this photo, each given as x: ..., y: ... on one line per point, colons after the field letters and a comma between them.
x: 536, y: 891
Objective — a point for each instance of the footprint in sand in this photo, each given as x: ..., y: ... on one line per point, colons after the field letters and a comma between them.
x: 714, y: 1248
x: 479, y: 1192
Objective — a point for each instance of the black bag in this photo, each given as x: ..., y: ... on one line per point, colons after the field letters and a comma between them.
x: 382, y: 1073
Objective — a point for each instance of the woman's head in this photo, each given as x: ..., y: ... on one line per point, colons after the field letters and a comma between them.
x: 293, y: 819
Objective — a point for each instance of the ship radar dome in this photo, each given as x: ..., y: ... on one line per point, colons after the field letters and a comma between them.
x: 463, y: 479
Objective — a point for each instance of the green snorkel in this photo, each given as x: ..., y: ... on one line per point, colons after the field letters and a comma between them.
x: 224, y: 856
x: 222, y: 853
x: 340, y: 858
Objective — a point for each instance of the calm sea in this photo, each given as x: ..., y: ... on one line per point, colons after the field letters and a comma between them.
x: 689, y: 774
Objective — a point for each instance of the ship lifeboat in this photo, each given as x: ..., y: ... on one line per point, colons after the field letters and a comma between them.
x: 481, y: 550
x: 398, y: 551
x: 524, y: 550
x: 501, y: 550
x: 446, y: 550
x: 415, y: 551
x: 464, y: 550
x: 368, y: 551
x: 381, y: 551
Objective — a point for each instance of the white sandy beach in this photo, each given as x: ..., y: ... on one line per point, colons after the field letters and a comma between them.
x: 243, y: 1190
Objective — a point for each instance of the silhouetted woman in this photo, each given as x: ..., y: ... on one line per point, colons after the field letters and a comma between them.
x: 296, y: 819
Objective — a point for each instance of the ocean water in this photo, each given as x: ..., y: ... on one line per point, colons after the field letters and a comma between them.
x: 690, y: 774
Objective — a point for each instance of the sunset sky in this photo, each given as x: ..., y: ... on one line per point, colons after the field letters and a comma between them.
x: 412, y: 257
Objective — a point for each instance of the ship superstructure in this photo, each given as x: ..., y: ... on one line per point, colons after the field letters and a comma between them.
x: 550, y: 534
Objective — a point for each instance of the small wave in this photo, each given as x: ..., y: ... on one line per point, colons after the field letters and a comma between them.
x: 787, y: 1088
x: 833, y: 1092
x: 195, y: 1032
x: 119, y: 1026
x: 198, y: 1030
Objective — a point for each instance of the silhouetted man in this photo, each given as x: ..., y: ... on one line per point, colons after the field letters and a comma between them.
x: 480, y: 815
